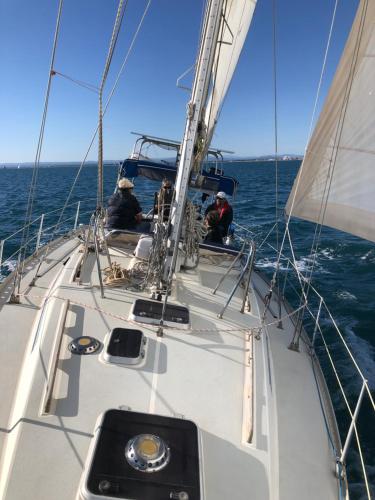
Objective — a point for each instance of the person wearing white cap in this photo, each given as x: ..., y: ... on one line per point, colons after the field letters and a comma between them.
x: 124, y: 211
x: 225, y: 211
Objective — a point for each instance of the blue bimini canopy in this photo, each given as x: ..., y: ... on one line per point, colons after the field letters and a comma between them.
x: 207, y: 182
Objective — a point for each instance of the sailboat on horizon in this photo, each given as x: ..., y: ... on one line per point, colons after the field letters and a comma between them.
x: 157, y: 366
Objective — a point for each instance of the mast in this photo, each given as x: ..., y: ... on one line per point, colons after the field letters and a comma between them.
x: 195, y: 111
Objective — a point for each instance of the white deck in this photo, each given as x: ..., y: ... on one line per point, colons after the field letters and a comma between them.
x: 204, y: 374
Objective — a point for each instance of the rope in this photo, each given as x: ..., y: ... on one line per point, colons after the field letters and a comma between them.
x: 194, y: 230
x: 255, y: 329
x: 158, y: 252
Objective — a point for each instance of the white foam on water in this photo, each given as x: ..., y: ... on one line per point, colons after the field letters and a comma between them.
x: 345, y: 295
x: 328, y: 253
x: 367, y: 254
x: 266, y: 263
x: 7, y: 267
x: 10, y: 265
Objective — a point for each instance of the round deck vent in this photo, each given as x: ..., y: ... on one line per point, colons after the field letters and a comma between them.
x: 84, y: 345
x: 147, y: 453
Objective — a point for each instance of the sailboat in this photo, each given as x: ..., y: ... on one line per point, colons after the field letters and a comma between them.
x: 180, y: 371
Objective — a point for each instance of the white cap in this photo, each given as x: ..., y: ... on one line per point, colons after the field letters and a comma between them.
x: 125, y: 184
x: 221, y: 195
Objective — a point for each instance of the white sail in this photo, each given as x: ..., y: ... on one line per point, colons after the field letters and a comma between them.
x: 235, y: 23
x: 336, y: 182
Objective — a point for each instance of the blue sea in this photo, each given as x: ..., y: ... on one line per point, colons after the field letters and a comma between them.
x: 344, y: 269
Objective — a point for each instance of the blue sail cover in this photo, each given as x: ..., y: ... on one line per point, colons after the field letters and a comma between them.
x: 207, y: 182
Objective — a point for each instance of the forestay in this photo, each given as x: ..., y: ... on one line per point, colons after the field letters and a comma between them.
x: 336, y: 182
x: 235, y: 23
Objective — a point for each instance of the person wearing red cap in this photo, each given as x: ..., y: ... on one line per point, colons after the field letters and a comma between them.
x: 225, y: 211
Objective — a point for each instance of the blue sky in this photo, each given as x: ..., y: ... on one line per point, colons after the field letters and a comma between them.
x: 147, y: 99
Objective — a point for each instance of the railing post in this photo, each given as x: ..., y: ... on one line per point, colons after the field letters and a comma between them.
x: 77, y: 215
x: 39, y: 233
x: 245, y: 297
x: 1, y: 253
x: 286, y: 276
x: 317, y: 321
x: 351, y: 428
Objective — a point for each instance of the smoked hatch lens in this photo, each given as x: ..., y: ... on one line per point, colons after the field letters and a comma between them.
x: 147, y: 453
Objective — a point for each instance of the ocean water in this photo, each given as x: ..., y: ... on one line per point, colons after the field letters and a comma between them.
x: 343, y: 273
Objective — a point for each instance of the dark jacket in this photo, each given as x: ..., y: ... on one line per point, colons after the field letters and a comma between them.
x: 225, y: 215
x: 214, y: 235
x: 122, y: 209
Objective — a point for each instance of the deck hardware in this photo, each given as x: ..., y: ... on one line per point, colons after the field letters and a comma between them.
x: 246, y: 299
x: 151, y: 312
x: 246, y: 268
x: 352, y: 424
x: 77, y: 215
x: 39, y: 233
x: 84, y: 345
x: 179, y: 495
x: 238, y: 256
x: 147, y: 453
x: 124, y: 346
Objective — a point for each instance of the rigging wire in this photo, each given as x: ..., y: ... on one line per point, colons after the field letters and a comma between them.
x: 115, y: 33
x: 114, y: 87
x: 337, y: 140
x: 299, y: 175
x: 275, y: 122
x: 87, y: 86
x: 332, y: 160
x: 274, y: 281
x: 32, y: 189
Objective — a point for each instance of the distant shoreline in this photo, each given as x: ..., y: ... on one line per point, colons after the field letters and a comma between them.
x: 116, y: 163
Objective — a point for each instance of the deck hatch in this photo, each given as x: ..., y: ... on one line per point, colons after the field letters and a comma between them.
x: 150, y: 311
x: 125, y: 345
x: 110, y: 475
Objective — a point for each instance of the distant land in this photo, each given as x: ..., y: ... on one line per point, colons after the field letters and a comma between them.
x: 283, y: 157
x: 111, y: 163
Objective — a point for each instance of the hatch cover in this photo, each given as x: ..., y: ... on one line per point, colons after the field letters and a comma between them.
x: 111, y: 472
x: 150, y: 311
x: 125, y: 346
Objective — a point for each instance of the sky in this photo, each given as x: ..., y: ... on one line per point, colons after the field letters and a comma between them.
x: 147, y: 99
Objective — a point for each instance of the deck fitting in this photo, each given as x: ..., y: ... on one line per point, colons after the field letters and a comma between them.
x: 293, y: 346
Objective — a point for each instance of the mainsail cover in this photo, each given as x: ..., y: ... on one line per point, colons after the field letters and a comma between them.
x: 336, y: 182
x: 235, y: 23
